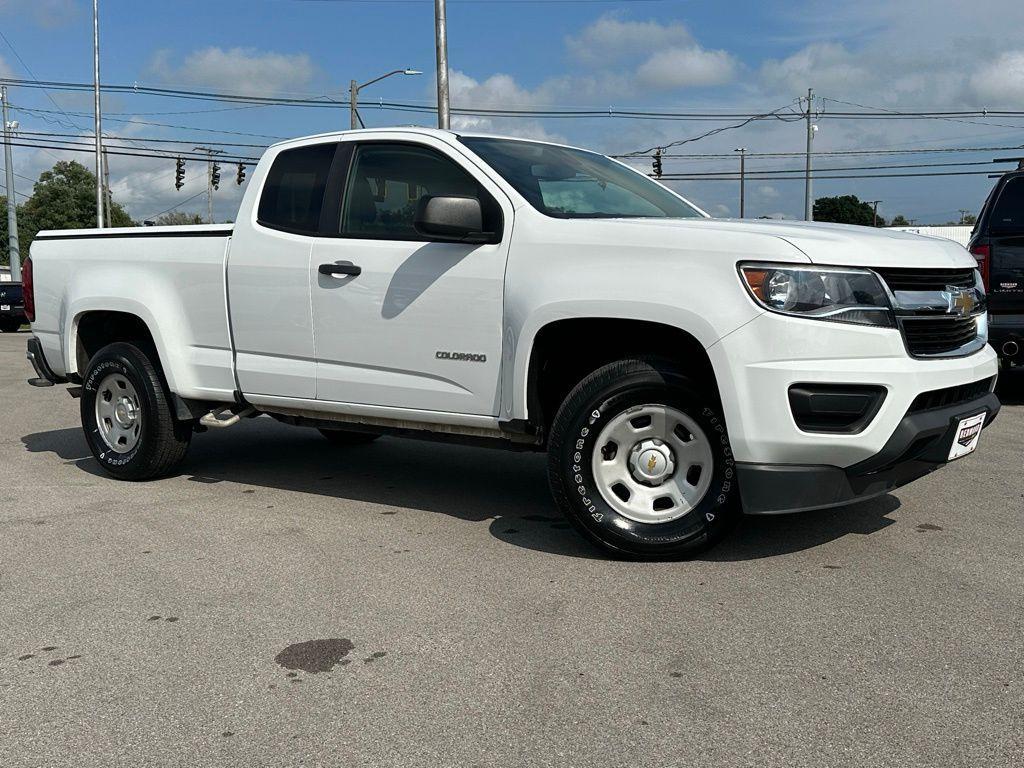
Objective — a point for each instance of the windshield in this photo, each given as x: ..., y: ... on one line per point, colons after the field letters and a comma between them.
x: 574, y: 184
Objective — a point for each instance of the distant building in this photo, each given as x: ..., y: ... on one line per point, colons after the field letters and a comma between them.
x: 960, y: 235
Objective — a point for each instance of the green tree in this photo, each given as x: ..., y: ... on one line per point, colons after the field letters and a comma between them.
x: 899, y: 221
x: 179, y: 219
x: 63, y: 198
x: 845, y: 209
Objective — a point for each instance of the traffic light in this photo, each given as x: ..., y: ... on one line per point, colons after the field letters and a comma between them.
x: 179, y: 174
x: 241, y: 174
x: 657, y: 164
x: 215, y: 176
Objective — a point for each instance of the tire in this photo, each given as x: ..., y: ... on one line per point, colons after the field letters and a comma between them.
x: 8, y: 325
x: 633, y: 518
x: 140, y: 442
x: 348, y: 437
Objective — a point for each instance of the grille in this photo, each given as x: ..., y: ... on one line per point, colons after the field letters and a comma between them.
x: 926, y: 279
x: 937, y: 335
x: 940, y: 398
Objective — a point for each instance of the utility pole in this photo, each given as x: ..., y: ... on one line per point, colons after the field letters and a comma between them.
x: 108, y: 199
x: 963, y: 215
x: 12, y: 209
x: 441, y: 40
x: 210, y: 152
x: 353, y: 97
x: 874, y: 205
x: 808, y: 200
x: 743, y: 172
x: 96, y: 109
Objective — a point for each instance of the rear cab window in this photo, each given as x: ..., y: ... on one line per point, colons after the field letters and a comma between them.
x: 1008, y: 212
x: 293, y: 194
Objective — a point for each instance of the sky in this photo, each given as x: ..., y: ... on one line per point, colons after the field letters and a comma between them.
x: 667, y: 55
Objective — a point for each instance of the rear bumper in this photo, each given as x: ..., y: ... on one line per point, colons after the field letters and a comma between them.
x: 44, y: 374
x: 1006, y: 335
x: 920, y: 445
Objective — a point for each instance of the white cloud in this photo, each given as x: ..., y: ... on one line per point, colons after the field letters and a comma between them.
x: 611, y: 38
x: 826, y: 66
x: 688, y: 67
x: 1000, y: 82
x: 5, y: 70
x: 494, y: 92
x: 46, y: 13
x: 240, y: 70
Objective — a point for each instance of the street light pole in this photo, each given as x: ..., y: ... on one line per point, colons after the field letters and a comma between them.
x: 441, y: 41
x: 743, y: 178
x: 808, y: 201
x: 96, y: 108
x: 12, y: 211
x: 355, y: 120
x: 874, y: 205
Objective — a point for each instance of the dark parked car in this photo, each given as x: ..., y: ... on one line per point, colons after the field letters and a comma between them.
x: 998, y: 244
x: 12, y: 307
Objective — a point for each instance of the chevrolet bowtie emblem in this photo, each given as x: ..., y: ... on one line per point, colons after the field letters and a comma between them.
x: 652, y: 463
x: 961, y: 300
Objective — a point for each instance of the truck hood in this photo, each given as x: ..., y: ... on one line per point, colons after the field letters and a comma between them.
x: 836, y: 244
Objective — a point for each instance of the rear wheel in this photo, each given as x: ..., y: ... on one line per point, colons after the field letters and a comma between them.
x: 639, y: 461
x: 127, y: 417
x: 348, y: 437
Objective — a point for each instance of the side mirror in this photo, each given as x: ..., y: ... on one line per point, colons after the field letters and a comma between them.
x: 451, y: 218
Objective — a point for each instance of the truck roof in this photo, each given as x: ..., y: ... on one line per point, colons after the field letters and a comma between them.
x: 419, y: 131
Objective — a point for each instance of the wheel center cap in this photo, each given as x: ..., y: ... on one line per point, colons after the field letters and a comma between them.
x: 124, y: 413
x: 651, y: 462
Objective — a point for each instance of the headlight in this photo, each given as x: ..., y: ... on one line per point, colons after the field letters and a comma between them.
x: 838, y: 294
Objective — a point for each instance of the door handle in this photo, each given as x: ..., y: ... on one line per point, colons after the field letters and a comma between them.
x: 336, y: 270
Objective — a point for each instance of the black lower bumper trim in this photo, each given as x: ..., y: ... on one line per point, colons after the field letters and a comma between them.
x: 46, y: 376
x: 919, y: 445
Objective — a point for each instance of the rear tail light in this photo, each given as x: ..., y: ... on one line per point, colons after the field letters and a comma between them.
x: 983, y: 254
x: 28, y: 290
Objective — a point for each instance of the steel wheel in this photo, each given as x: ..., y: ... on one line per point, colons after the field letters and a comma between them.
x: 118, y: 413
x: 652, y: 463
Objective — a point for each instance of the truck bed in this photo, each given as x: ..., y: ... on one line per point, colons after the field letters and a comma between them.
x: 147, y: 271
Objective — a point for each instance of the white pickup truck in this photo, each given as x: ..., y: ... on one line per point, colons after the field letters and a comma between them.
x: 677, y: 369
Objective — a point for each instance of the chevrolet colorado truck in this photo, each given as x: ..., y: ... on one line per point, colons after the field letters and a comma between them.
x: 677, y: 369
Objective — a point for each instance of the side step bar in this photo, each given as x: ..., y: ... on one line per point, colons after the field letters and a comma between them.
x: 222, y: 418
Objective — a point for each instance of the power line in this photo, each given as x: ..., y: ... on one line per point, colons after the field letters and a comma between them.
x: 771, y: 171
x: 734, y: 177
x: 328, y: 102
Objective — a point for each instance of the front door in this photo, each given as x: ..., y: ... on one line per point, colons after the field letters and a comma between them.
x: 420, y: 325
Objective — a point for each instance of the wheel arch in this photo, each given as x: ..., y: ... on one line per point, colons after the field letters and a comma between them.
x: 92, y: 328
x: 563, y: 351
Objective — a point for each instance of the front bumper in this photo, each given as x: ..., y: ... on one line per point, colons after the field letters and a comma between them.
x: 757, y: 365
x: 919, y: 445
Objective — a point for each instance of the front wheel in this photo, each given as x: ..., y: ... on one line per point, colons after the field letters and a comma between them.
x: 127, y: 416
x: 639, y: 461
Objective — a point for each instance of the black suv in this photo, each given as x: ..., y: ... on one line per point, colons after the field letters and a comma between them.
x: 12, y: 307
x: 997, y: 242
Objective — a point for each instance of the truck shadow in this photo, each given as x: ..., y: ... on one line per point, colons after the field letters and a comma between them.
x: 475, y: 485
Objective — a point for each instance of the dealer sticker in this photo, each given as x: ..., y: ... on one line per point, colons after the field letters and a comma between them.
x: 968, y: 432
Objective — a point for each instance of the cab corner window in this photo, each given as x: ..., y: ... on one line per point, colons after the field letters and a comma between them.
x: 294, y: 192
x: 387, y: 182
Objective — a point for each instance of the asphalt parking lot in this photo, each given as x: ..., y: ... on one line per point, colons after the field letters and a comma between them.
x: 284, y: 602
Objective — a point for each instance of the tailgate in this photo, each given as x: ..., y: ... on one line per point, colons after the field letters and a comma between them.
x: 1006, y: 274
x: 1006, y: 240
